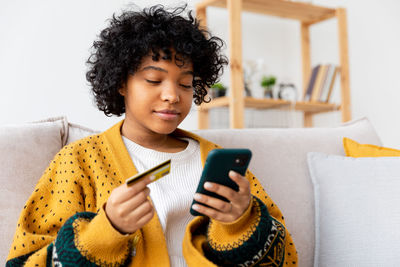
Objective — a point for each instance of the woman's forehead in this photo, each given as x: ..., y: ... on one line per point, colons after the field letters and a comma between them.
x: 180, y: 61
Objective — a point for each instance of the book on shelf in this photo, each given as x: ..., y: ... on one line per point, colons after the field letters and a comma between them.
x: 307, y: 96
x: 328, y: 86
x: 316, y: 91
x: 324, y: 82
x: 321, y: 83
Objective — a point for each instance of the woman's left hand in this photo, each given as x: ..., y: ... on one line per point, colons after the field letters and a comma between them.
x: 221, y: 210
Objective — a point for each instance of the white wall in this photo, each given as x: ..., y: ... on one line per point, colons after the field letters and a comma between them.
x: 44, y: 45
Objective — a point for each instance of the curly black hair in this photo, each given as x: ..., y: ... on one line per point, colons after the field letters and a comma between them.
x: 133, y: 35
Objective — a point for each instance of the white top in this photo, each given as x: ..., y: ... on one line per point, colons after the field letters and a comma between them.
x: 172, y: 195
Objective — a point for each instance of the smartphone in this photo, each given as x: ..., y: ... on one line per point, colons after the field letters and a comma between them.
x: 216, y: 169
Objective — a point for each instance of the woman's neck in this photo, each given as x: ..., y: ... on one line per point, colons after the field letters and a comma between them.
x: 155, y: 141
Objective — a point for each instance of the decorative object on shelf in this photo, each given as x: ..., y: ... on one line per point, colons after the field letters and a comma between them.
x: 217, y: 90
x: 247, y: 90
x: 250, y: 68
x: 287, y: 91
x: 268, y: 82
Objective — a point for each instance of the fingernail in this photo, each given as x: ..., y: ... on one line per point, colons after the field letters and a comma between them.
x: 152, y: 177
x: 195, y: 207
x: 208, y: 185
x: 197, y: 197
x: 233, y: 173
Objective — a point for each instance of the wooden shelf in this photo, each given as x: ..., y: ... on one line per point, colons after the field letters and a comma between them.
x: 304, y: 12
x: 261, y: 103
x: 307, y: 15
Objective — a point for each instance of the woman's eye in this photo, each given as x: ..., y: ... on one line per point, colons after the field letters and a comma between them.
x: 153, y: 82
x: 186, y: 86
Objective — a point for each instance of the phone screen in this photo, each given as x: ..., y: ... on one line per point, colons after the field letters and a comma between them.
x: 216, y: 169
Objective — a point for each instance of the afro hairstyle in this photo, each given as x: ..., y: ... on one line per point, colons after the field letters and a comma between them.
x: 133, y: 35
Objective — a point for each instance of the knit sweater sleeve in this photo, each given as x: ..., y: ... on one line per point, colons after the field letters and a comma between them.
x: 61, y: 223
x: 258, y: 238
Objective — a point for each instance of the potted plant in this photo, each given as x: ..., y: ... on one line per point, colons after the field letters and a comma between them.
x: 218, y: 90
x: 268, y: 82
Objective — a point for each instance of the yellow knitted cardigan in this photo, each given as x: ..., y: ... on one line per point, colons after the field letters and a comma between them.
x: 64, y: 220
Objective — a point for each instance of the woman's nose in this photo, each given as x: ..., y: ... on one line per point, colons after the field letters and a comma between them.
x: 170, y: 93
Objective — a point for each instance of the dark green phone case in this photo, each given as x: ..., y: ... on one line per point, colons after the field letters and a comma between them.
x: 216, y: 168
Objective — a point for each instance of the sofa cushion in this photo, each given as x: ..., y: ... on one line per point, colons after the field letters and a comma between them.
x: 280, y: 163
x: 357, y: 150
x: 357, y: 211
x: 25, y: 152
x: 37, y: 142
x: 76, y: 132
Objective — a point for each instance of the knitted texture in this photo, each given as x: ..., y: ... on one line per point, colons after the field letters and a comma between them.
x: 242, y: 247
x: 65, y: 252
x: 18, y: 261
x: 228, y: 236
x: 79, y: 180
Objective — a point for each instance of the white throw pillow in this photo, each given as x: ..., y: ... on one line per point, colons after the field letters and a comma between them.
x: 357, y: 209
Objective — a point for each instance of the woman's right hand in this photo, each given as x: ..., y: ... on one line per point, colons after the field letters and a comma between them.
x: 128, y: 208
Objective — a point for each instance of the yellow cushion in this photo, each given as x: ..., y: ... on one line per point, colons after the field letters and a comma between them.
x: 356, y: 150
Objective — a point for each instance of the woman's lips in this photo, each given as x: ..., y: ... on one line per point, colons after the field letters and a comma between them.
x: 167, y: 114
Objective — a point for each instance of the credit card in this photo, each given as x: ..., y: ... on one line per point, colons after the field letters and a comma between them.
x: 156, y: 173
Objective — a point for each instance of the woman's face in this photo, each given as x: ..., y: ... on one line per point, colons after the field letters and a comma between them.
x: 159, y: 95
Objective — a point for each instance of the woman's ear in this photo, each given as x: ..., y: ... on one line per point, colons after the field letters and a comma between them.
x: 122, y: 90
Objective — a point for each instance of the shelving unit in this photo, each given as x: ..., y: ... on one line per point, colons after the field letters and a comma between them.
x: 307, y: 15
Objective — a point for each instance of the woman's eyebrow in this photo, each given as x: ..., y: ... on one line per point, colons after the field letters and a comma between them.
x: 188, y: 72
x: 164, y: 70
x: 154, y: 68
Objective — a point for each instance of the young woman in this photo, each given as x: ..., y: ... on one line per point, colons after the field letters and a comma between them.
x: 149, y: 65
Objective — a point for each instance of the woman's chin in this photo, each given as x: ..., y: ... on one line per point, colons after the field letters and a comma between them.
x: 166, y: 129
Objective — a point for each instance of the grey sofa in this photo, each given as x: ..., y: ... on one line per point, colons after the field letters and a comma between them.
x: 279, y: 162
